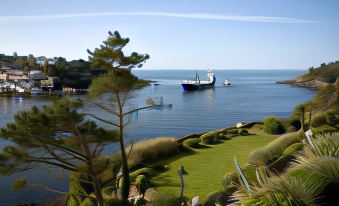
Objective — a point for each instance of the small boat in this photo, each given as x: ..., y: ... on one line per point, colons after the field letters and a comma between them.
x: 227, y: 82
x: 191, y: 85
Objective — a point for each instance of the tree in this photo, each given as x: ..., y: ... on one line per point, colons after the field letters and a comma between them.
x: 273, y: 125
x: 20, y: 63
x: 57, y: 136
x: 32, y: 62
x: 118, y: 82
x: 46, y: 66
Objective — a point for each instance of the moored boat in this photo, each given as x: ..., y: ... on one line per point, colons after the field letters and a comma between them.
x: 227, y: 82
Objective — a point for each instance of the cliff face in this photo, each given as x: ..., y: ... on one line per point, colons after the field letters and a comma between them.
x: 310, y: 84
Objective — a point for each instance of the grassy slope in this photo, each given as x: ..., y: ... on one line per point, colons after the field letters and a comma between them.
x: 327, y: 73
x: 207, y: 166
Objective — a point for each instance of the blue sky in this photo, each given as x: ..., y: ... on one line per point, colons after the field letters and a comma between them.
x: 179, y: 34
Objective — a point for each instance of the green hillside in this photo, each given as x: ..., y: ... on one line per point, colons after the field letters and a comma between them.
x: 325, y: 73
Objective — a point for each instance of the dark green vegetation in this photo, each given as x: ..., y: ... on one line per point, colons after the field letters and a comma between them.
x: 118, y: 82
x: 273, y: 125
x: 325, y: 73
x: 58, y: 136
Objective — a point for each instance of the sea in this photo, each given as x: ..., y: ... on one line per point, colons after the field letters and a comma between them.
x: 253, y: 94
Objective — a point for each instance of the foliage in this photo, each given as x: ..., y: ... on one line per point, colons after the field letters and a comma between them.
x: 118, y: 83
x: 164, y: 199
x: 147, y: 172
x: 210, y: 137
x: 324, y: 129
x: 152, y: 149
x: 142, y: 183
x: 56, y: 136
x: 233, y: 132
x: 293, y: 148
x: 273, y: 125
x: 243, y: 132
x: 295, y: 122
x: 193, y: 143
x: 291, y: 129
x: 273, y: 150
x: 217, y: 197
x: 326, y: 73
x: 319, y: 121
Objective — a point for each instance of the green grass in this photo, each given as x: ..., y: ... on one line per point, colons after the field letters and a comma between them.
x: 207, y: 167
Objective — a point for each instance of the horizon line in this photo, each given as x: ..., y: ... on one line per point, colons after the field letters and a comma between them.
x: 203, y: 16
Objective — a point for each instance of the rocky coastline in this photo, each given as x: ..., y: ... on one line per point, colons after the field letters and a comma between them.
x: 313, y: 84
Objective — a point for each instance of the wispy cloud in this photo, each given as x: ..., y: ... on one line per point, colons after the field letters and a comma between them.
x: 205, y: 16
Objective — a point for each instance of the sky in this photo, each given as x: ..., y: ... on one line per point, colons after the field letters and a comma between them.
x: 179, y: 34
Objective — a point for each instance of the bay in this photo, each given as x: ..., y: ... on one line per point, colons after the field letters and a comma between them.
x: 252, y: 96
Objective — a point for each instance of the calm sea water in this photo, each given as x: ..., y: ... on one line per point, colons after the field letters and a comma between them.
x: 252, y: 96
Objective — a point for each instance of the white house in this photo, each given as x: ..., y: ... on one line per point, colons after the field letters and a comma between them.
x: 40, y: 60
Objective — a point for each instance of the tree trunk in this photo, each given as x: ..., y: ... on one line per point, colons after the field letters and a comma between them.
x: 302, y: 119
x: 125, y: 172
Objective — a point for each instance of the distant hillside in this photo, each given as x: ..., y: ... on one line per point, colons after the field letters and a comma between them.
x: 316, y: 78
x: 324, y: 73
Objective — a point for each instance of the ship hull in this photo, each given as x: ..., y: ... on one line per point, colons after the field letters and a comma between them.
x: 192, y: 87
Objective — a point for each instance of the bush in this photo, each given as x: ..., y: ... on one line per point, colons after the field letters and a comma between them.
x: 163, y: 199
x: 273, y: 150
x: 293, y: 148
x: 233, y: 132
x: 210, y: 138
x: 142, y: 183
x: 273, y: 125
x: 324, y: 129
x: 243, y: 132
x: 319, y: 121
x: 218, y: 197
x: 152, y: 149
x: 193, y: 143
x: 295, y: 122
x: 230, y: 181
x: 148, y: 172
x: 291, y: 129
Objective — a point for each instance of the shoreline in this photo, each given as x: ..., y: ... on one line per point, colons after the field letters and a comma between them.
x: 312, y: 84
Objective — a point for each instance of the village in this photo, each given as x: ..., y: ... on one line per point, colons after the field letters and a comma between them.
x: 27, y: 81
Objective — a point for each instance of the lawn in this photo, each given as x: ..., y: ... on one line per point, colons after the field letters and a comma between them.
x: 207, y: 167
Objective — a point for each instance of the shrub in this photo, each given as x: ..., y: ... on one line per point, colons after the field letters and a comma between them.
x: 163, y: 199
x: 273, y: 125
x: 148, y: 172
x: 152, y: 149
x: 233, y: 131
x: 230, y: 182
x: 243, y: 132
x: 210, y: 138
x: 295, y: 122
x: 193, y: 143
x: 324, y: 129
x: 218, y: 197
x: 142, y: 183
x: 291, y: 129
x: 319, y: 121
x: 273, y: 150
x: 293, y: 148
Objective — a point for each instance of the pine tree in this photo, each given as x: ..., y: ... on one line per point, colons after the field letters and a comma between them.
x: 118, y: 82
x: 57, y: 136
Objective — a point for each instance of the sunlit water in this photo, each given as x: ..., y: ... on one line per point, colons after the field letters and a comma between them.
x: 252, y: 96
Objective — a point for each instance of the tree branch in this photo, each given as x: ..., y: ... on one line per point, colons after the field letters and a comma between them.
x: 102, y: 120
